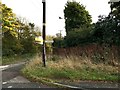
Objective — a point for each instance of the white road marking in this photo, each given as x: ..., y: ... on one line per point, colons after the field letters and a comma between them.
x: 9, y: 86
x: 11, y: 65
x: 19, y: 79
x: 4, y: 83
x: 65, y: 85
x: 4, y: 67
x: 74, y: 87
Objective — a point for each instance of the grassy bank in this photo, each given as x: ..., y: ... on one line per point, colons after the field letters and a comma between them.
x: 70, y: 69
x: 15, y: 58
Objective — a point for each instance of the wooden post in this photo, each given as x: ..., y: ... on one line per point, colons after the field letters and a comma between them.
x: 44, y: 33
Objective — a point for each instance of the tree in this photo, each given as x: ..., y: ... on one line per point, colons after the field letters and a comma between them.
x: 107, y: 29
x: 115, y: 9
x: 10, y: 42
x: 9, y: 21
x: 115, y: 15
x: 18, y: 34
x: 76, y: 16
x: 27, y: 34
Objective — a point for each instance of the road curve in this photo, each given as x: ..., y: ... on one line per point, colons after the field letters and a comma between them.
x: 12, y: 78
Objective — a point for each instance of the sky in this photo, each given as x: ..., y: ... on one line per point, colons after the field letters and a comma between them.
x: 32, y: 11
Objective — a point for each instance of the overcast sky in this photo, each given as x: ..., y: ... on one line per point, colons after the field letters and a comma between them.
x: 32, y: 10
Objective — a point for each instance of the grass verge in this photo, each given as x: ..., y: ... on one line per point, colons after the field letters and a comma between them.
x: 15, y: 59
x: 70, y: 70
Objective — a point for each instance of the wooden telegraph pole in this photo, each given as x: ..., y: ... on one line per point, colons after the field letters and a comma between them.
x: 44, y: 33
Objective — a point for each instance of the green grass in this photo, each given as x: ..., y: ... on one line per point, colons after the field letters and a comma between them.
x: 70, y: 70
x: 72, y: 75
x: 15, y: 59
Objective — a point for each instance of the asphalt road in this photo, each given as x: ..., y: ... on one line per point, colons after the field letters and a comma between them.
x: 11, y: 78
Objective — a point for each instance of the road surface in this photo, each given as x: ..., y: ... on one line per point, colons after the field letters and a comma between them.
x: 12, y: 78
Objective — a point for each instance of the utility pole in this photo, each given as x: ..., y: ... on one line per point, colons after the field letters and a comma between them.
x: 60, y: 30
x: 60, y: 33
x: 44, y: 33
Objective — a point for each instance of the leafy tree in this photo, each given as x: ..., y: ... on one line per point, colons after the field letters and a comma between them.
x: 107, y: 29
x: 115, y: 9
x: 9, y: 31
x: 9, y: 21
x: 75, y: 16
x: 17, y: 34
x: 115, y: 14
x: 78, y: 26
x: 26, y: 36
x: 37, y: 31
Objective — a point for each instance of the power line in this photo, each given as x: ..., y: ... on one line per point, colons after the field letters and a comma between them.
x: 38, y: 1
x: 35, y: 5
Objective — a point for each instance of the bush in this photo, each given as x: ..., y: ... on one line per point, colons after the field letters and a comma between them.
x: 58, y: 42
x: 78, y: 37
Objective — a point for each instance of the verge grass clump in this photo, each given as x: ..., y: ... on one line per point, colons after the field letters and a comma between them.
x: 71, y: 69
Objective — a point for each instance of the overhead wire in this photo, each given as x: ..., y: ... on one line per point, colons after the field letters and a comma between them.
x: 34, y: 4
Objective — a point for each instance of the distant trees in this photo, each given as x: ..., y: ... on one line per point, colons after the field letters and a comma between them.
x: 80, y: 30
x: 18, y: 34
x: 9, y: 31
x: 76, y: 16
x: 115, y: 9
x: 79, y: 36
x: 27, y: 34
x: 107, y: 29
x: 78, y: 24
x: 9, y: 21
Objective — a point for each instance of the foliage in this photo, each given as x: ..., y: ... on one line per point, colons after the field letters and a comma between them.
x: 49, y: 47
x: 9, y: 21
x: 16, y: 58
x: 75, y: 16
x: 115, y: 9
x: 58, y: 42
x: 26, y: 35
x: 18, y: 34
x: 78, y: 26
x: 107, y: 31
x: 9, y: 31
x: 115, y: 14
x: 78, y: 37
x: 10, y: 45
